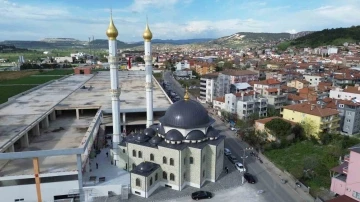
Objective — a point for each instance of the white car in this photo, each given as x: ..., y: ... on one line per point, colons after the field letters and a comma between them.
x: 240, y: 167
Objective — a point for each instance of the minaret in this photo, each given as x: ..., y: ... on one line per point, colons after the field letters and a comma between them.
x: 112, y: 33
x: 148, y: 68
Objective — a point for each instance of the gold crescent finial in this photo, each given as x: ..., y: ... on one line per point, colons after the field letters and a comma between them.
x: 111, y: 31
x: 147, y: 35
x: 186, y: 96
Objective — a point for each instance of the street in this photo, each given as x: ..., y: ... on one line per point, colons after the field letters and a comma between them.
x: 267, y: 181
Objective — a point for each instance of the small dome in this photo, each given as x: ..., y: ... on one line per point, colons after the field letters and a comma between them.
x: 195, y: 135
x: 174, y: 135
x: 186, y: 114
x: 145, y: 167
x: 155, y: 140
x: 212, y: 132
x: 147, y: 35
x: 150, y: 132
x: 111, y: 31
x: 141, y: 137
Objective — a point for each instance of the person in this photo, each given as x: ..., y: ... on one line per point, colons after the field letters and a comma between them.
x: 97, y: 165
x: 107, y: 154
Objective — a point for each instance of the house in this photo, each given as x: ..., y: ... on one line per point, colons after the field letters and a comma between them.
x: 207, y: 86
x: 321, y: 119
x: 348, y: 93
x: 313, y: 80
x: 298, y: 84
x: 270, y: 89
x: 260, y: 126
x: 346, y: 176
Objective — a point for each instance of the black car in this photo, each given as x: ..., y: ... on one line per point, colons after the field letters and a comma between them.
x: 249, y: 178
x: 232, y: 159
x: 201, y: 195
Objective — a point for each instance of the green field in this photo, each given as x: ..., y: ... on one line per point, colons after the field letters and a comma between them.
x: 9, y: 91
x: 31, y: 80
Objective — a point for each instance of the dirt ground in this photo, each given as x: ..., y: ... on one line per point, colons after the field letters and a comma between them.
x: 15, y: 75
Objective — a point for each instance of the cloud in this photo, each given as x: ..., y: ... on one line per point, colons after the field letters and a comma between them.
x: 292, y: 31
x: 171, y: 19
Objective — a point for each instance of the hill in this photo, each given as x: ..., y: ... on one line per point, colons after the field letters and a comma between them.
x: 249, y: 39
x: 336, y: 37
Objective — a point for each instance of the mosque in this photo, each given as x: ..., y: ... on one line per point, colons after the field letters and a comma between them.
x: 183, y: 149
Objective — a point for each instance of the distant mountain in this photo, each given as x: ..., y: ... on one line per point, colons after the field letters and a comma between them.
x: 249, y: 39
x: 336, y: 37
x: 300, y: 34
x: 68, y: 43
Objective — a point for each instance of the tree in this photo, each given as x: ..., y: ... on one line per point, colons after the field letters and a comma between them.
x: 218, y: 69
x: 298, y: 132
x: 228, y: 65
x: 194, y: 73
x: 271, y: 111
x: 278, y: 128
x: 244, y: 55
x: 139, y: 59
x: 309, y: 128
x: 173, y: 69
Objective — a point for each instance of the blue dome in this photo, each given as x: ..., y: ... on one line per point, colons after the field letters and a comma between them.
x: 174, y: 135
x: 195, y: 135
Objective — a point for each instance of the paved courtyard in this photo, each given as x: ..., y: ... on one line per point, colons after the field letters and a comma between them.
x: 228, y: 186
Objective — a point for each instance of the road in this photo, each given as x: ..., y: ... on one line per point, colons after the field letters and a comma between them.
x: 267, y: 181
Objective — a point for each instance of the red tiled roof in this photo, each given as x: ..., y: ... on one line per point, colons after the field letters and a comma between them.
x: 316, y: 111
x: 342, y: 198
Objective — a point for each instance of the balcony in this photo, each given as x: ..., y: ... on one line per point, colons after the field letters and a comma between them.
x: 347, y: 158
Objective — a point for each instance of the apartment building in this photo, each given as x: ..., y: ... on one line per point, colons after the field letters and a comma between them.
x: 348, y: 93
x: 322, y: 119
x: 313, y: 80
x: 346, y: 177
x: 207, y: 87
x: 298, y: 84
x: 243, y: 104
x: 280, y: 76
x: 228, y: 77
x: 182, y: 65
x: 270, y: 89
x: 204, y: 68
x: 349, y: 113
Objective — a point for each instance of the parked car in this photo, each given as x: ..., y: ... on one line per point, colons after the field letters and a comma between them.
x: 232, y: 159
x: 201, y: 195
x: 240, y: 167
x: 249, y: 178
x: 227, y: 152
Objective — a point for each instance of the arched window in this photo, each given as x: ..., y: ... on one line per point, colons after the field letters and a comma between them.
x: 164, y: 160
x: 184, y: 176
x: 134, y: 153
x: 164, y: 175
x: 191, y: 160
x: 156, y: 176
x: 138, y: 182
x: 151, y: 157
x: 171, y: 161
x: 124, y: 151
x: 133, y: 165
x: 172, y: 177
x: 140, y: 154
x: 150, y: 181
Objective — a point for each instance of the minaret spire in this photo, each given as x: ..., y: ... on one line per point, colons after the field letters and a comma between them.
x: 115, y: 89
x: 147, y: 35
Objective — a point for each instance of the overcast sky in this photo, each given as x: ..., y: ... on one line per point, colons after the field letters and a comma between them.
x: 170, y: 19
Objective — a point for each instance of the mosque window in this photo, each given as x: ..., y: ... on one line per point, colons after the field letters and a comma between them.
x: 133, y: 166
x: 191, y: 160
x: 185, y: 161
x: 156, y: 176
x: 140, y: 154
x: 124, y: 151
x: 184, y: 176
x: 172, y: 177
x: 203, y: 158
x: 138, y: 182
x: 134, y: 153
x: 151, y: 157
x: 151, y: 181
x: 164, y: 160
x: 171, y: 161
x: 164, y: 175
x: 203, y: 173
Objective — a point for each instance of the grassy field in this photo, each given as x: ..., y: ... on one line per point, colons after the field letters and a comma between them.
x: 301, y: 155
x: 9, y: 91
x: 31, y: 80
x: 58, y: 72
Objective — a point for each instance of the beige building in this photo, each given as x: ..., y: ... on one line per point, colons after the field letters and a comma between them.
x: 184, y: 149
x: 298, y: 84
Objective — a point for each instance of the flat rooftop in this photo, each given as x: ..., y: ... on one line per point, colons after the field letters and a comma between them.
x: 27, y: 109
x: 132, y: 97
x: 65, y: 132
x: 67, y: 93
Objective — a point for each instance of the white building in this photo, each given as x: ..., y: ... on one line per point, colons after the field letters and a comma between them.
x: 332, y: 50
x: 64, y: 59
x: 313, y: 80
x: 182, y: 65
x: 349, y: 93
x: 207, y: 87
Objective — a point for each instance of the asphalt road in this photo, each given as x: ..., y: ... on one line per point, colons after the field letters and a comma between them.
x: 276, y: 191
